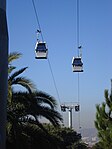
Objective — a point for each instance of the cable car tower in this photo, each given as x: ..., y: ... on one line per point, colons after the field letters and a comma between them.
x: 70, y: 107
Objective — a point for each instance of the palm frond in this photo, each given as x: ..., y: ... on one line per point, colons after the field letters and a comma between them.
x: 36, y: 109
x: 13, y: 56
x: 15, y: 74
x: 46, y: 99
x: 10, y: 69
x: 27, y: 83
x: 52, y: 115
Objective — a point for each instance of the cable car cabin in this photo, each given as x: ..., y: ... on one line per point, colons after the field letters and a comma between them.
x: 63, y: 108
x: 77, y: 64
x: 41, y: 50
x: 77, y: 108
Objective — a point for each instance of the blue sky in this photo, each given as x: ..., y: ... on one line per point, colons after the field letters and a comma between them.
x: 58, y: 23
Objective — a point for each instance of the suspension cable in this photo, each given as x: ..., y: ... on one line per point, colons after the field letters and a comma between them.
x: 54, y: 81
x: 78, y: 89
x: 37, y: 18
x: 78, y: 40
x: 79, y: 100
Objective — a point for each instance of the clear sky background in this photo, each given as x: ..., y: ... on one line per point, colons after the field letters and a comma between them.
x: 58, y: 23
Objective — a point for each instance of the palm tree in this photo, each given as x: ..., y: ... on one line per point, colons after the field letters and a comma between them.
x: 34, y: 105
x: 14, y: 78
x: 25, y: 108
